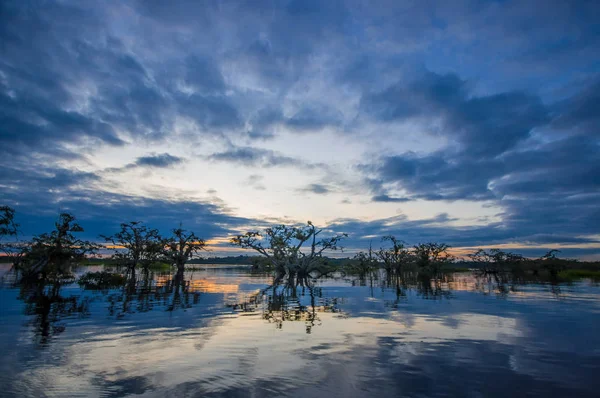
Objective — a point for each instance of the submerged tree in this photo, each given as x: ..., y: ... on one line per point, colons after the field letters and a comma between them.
x: 551, y: 263
x: 8, y: 227
x: 364, y: 263
x: 136, y: 245
x: 283, y: 245
x: 432, y: 256
x: 495, y: 261
x: 13, y: 250
x: 56, y: 251
x: 394, y: 258
x: 181, y: 247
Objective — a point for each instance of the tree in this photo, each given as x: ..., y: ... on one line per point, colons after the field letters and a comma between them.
x: 136, y: 245
x: 395, y: 257
x: 364, y: 263
x: 495, y: 260
x: 15, y: 251
x: 181, y: 247
x: 551, y: 263
x: 56, y: 251
x: 8, y: 227
x: 484, y: 259
x: 432, y: 256
x: 283, y: 245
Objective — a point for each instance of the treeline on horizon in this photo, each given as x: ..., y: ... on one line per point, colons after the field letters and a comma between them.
x: 296, y: 251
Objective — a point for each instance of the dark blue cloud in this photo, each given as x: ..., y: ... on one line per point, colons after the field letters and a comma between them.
x: 315, y: 117
x: 39, y: 195
x: 160, y: 160
x: 387, y: 198
x: 309, y: 118
x: 482, y: 125
x: 251, y: 156
x: 542, y: 182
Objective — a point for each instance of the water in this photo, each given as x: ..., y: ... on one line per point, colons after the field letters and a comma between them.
x: 225, y: 333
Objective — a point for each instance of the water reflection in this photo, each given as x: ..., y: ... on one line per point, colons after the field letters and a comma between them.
x: 231, y: 333
x: 290, y: 300
x: 146, y: 291
x: 46, y: 305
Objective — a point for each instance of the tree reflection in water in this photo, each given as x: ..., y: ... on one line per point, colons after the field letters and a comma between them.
x: 48, y: 305
x: 146, y: 290
x: 290, y: 299
x: 51, y: 298
x: 504, y: 284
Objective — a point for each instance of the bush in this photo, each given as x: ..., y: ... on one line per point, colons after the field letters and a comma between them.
x: 101, y: 280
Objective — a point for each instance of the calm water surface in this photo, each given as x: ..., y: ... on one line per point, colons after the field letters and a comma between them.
x: 226, y: 333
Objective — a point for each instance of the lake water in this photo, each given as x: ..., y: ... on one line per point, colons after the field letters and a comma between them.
x: 225, y: 333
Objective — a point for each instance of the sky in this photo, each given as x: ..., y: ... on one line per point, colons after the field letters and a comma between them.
x: 475, y: 123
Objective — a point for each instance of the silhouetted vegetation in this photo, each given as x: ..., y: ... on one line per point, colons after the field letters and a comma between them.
x: 8, y: 227
x: 295, y: 254
x: 52, y: 254
x: 101, y: 280
x: 228, y: 260
x: 395, y: 258
x: 432, y: 256
x: 181, y: 247
x: 136, y: 245
x: 495, y: 261
x: 282, y: 245
x: 15, y: 250
x: 364, y: 264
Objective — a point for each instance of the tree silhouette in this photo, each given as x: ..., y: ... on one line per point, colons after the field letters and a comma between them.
x: 495, y: 261
x: 56, y: 251
x: 136, y: 245
x: 8, y: 227
x: 283, y: 245
x: 432, y: 256
x: 14, y: 250
x: 395, y: 257
x: 181, y: 247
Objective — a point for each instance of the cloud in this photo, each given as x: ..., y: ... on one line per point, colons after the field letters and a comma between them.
x: 386, y: 198
x: 315, y: 117
x: 259, y: 157
x: 508, y: 149
x: 256, y: 181
x: 39, y: 195
x: 509, y: 98
x: 163, y: 160
x: 482, y: 126
x: 152, y: 161
x: 318, y: 189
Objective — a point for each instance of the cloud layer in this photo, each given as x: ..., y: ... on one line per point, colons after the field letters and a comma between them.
x: 343, y: 112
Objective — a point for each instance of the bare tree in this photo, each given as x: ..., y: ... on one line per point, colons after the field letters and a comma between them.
x: 283, y: 245
x: 182, y: 246
x: 136, y: 245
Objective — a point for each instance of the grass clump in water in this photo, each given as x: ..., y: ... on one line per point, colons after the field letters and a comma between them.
x: 572, y: 274
x: 101, y: 280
